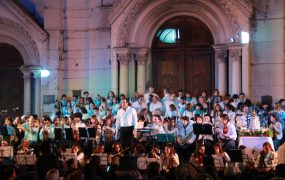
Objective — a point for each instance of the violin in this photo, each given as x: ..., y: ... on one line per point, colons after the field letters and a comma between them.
x: 225, y: 130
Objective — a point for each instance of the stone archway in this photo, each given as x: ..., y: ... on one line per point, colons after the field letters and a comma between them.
x: 17, y: 36
x: 11, y: 93
x: 136, y: 27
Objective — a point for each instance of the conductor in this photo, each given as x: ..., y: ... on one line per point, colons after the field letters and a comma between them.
x: 126, y: 124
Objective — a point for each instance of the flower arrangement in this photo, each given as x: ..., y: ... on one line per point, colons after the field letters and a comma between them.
x: 262, y: 132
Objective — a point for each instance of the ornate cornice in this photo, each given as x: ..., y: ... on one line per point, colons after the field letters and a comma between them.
x: 229, y: 15
x: 26, y: 20
x: 125, y: 27
x: 16, y: 27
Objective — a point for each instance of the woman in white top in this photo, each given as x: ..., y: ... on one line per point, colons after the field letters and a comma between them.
x: 169, y: 158
x: 267, y: 158
x: 221, y: 159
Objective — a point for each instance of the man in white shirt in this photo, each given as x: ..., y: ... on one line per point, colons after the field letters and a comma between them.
x: 126, y: 124
x: 227, y: 132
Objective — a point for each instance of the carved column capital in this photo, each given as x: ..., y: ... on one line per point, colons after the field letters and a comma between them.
x: 220, y: 51
x: 124, y: 59
x: 141, y: 59
x: 141, y: 55
x: 123, y: 55
x: 235, y: 50
x: 26, y: 71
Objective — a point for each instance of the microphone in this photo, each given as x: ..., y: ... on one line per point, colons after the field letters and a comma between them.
x: 16, y: 108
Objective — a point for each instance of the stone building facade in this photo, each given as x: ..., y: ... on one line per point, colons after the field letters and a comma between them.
x: 102, y: 45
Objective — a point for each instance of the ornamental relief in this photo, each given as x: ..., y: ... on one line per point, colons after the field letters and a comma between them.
x: 15, y: 26
x: 129, y: 20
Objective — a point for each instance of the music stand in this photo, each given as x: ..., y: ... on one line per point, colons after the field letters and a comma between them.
x: 69, y: 134
x: 150, y: 160
x: 205, y: 129
x: 83, y: 132
x: 26, y: 159
x: 3, y: 131
x: 165, y: 138
x: 67, y: 156
x: 58, y: 134
x: 235, y: 155
x: 91, y: 132
x: 6, y: 152
x: 103, y: 158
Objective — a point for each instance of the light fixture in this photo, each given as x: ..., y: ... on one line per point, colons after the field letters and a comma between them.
x: 45, y: 73
x: 244, y: 37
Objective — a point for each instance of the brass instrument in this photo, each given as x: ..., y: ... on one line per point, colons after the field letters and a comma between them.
x: 181, y: 141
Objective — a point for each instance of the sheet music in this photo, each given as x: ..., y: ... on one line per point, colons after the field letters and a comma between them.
x: 103, y: 158
x: 67, y: 156
x: 26, y: 159
x: 6, y: 151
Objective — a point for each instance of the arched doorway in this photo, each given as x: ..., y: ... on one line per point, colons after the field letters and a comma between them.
x: 183, y: 57
x: 12, y: 88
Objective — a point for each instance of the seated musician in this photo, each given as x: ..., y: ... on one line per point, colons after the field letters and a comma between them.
x: 170, y: 159
x: 207, y: 139
x: 267, y: 158
x: 227, y: 133
x: 197, y: 159
x: 100, y: 149
x: 47, y: 131
x: 185, y: 139
x: 31, y: 129
x: 108, y: 130
x: 117, y: 152
x: 76, y: 149
x: 155, y: 152
x: 139, y: 150
x: 219, y: 154
x: 170, y: 126
x: 157, y: 126
x: 24, y: 148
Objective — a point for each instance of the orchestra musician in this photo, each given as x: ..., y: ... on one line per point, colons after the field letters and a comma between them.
x: 76, y: 149
x: 207, y: 139
x: 117, y: 152
x: 267, y: 158
x: 198, y: 158
x: 227, y: 133
x: 47, y: 131
x: 170, y: 126
x: 185, y: 139
x: 96, y: 124
x: 31, y: 129
x: 276, y: 127
x: 170, y: 159
x: 157, y: 126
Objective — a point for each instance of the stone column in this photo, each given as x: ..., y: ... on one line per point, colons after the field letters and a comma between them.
x: 124, y: 56
x: 235, y: 67
x: 37, y: 77
x: 141, y: 58
x: 221, y: 68
x: 27, y: 89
